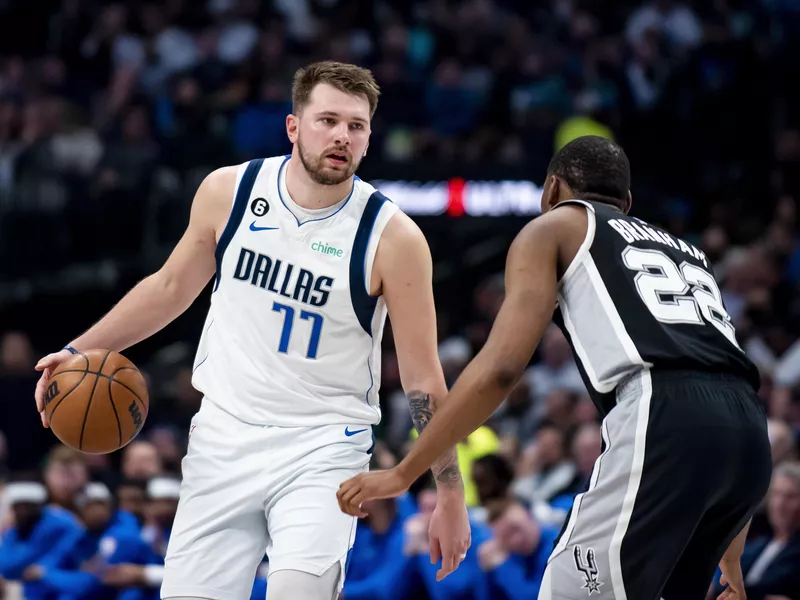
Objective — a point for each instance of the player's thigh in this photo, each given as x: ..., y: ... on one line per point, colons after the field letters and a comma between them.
x: 694, y: 573
x: 308, y: 532
x: 625, y: 534
x: 721, y: 523
x: 219, y: 535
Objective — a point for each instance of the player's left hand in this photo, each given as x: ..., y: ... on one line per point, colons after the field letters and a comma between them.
x: 370, y: 486
x: 449, y: 533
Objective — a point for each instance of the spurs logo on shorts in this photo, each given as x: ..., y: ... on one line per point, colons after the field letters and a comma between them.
x: 588, y: 569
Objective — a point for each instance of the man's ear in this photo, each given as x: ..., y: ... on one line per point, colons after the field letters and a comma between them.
x: 292, y: 128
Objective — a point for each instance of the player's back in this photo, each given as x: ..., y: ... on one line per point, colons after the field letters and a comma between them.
x: 293, y: 336
x: 638, y: 297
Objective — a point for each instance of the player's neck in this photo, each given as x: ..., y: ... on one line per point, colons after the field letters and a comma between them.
x: 307, y: 193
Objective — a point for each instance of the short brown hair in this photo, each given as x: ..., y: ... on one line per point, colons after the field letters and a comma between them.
x: 345, y: 77
x: 63, y: 455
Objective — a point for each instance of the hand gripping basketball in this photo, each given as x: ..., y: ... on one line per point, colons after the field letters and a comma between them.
x: 47, y: 365
x: 94, y: 401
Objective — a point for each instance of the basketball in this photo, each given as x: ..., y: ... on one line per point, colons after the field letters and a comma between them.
x: 96, y: 401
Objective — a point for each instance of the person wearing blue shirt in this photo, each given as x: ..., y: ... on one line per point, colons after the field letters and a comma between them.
x: 37, y: 530
x: 378, y: 568
x: 515, y: 558
x: 73, y: 570
x: 159, y: 513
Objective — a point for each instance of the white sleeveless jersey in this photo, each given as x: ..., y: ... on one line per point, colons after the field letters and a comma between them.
x: 293, y: 337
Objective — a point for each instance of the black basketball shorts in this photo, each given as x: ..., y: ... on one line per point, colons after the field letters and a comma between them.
x: 686, y: 461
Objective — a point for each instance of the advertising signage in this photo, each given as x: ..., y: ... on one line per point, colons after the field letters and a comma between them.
x: 463, y: 197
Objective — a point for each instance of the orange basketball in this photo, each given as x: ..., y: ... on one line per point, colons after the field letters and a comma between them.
x: 96, y: 401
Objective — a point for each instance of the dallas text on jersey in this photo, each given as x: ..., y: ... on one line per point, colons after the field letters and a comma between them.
x: 277, y: 276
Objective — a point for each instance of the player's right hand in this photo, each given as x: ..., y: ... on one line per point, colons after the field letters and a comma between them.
x: 47, y: 365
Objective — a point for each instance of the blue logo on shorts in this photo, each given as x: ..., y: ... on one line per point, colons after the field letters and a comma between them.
x: 349, y: 433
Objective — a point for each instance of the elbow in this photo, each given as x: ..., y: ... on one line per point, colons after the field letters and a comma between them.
x: 170, y: 288
x: 506, y: 376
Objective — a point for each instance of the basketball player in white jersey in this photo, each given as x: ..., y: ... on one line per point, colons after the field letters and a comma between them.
x: 307, y: 260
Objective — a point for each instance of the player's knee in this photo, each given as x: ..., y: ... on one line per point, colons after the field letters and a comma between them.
x: 297, y: 585
x: 185, y: 598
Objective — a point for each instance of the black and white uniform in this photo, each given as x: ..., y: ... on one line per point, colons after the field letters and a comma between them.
x: 686, y: 457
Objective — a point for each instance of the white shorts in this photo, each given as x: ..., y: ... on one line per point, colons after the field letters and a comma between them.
x: 248, y: 489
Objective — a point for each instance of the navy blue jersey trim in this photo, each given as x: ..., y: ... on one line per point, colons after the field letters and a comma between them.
x: 364, y: 304
x: 237, y: 212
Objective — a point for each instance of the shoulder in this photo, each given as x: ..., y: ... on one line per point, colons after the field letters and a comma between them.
x: 402, y: 232
x: 561, y: 219
x: 563, y: 226
x: 223, y: 181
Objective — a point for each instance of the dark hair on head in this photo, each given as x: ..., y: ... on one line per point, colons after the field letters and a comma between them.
x: 595, y: 168
x: 499, y: 466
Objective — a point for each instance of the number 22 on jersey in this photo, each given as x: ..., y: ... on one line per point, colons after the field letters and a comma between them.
x: 678, y: 294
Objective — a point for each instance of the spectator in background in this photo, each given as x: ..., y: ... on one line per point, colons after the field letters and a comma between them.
x: 515, y: 558
x: 770, y: 564
x: 586, y: 448
x: 131, y: 496
x: 556, y: 371
x: 782, y: 441
x: 162, y: 504
x: 673, y: 21
x: 181, y: 403
x: 36, y: 529
x: 559, y: 408
x: 65, y: 474
x: 73, y: 568
x: 586, y: 411
x: 493, y: 475
x: 380, y: 567
x: 141, y: 461
x: 171, y: 452
x: 26, y: 440
x: 545, y: 470
x: 259, y: 129
x: 452, y: 106
x: 517, y: 419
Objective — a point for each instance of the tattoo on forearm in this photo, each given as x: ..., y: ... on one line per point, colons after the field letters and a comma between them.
x: 445, y: 469
x: 420, y: 405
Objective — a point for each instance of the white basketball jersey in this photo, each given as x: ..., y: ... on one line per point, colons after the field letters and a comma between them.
x: 293, y: 337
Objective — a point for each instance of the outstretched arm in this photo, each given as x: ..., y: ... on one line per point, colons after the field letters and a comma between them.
x: 531, y: 282
x: 163, y: 296
x: 404, y: 267
x: 160, y: 298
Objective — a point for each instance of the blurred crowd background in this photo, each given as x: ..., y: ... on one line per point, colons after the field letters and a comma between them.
x: 111, y: 113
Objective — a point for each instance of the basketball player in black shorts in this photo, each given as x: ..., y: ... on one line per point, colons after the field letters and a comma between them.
x: 686, y: 459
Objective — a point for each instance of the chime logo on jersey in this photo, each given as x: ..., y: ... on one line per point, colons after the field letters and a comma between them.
x: 588, y: 569
x: 324, y: 248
